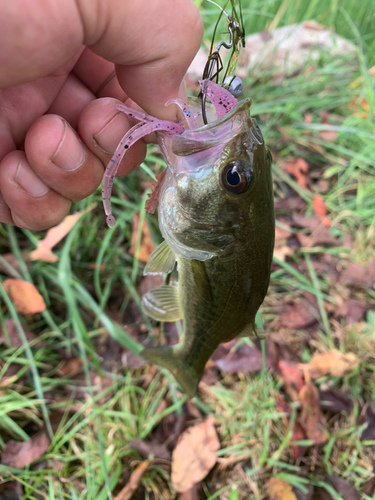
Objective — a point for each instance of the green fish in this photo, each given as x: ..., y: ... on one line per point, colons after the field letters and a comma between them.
x: 216, y: 214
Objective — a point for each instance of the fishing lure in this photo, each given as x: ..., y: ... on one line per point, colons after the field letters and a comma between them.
x: 216, y: 215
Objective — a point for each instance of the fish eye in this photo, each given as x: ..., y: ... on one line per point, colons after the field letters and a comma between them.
x: 237, y: 176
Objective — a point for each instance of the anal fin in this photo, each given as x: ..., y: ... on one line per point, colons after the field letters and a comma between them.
x: 163, y: 303
x: 162, y: 260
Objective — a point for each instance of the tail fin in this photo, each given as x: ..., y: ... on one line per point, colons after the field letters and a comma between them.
x: 169, y: 358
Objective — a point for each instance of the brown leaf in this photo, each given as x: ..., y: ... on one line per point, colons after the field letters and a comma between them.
x: 345, y: 489
x: 244, y: 359
x: 297, y: 315
x: 71, y: 367
x: 55, y: 235
x: 357, y: 275
x: 311, y: 419
x: 336, y: 401
x: 280, y: 490
x: 25, y: 296
x: 301, y: 495
x: 135, y: 479
x: 195, y: 455
x: 328, y: 135
x: 369, y: 486
x: 147, y: 448
x: 297, y: 431
x: 18, y: 454
x: 146, y: 246
x: 15, y: 340
x: 12, y: 260
x: 369, y: 419
x: 320, y: 209
x: 290, y: 203
x: 292, y: 378
x: 332, y: 362
x: 11, y: 491
x: 298, y: 168
x: 192, y: 494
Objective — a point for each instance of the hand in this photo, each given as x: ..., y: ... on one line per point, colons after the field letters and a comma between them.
x: 59, y: 89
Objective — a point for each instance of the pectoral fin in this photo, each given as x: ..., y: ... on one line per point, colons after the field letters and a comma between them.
x: 162, y: 260
x: 163, y: 303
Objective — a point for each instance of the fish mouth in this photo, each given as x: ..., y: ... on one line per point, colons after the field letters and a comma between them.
x: 214, y: 133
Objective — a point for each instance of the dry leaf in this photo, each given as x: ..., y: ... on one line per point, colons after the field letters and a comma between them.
x: 280, y: 490
x: 127, y: 492
x: 327, y: 135
x: 357, y: 275
x: 292, y: 378
x: 298, y: 434
x: 298, y: 168
x: 195, y: 455
x: 332, y: 362
x: 25, y: 296
x: 11, y: 490
x: 297, y: 315
x: 14, y: 338
x: 345, y: 489
x: 311, y: 419
x: 55, y: 235
x: 320, y: 209
x: 18, y: 454
x: 146, y: 246
x: 147, y: 448
x: 244, y: 359
x: 71, y: 367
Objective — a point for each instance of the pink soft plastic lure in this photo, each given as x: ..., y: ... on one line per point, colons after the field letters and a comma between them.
x: 222, y: 100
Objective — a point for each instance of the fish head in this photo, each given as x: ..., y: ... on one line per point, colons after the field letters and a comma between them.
x: 217, y: 192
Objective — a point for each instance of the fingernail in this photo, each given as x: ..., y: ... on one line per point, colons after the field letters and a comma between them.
x: 111, y: 134
x: 70, y: 153
x: 27, y: 179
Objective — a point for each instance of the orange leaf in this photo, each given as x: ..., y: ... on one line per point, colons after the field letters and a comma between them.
x: 127, y: 492
x: 25, y: 296
x: 280, y: 490
x: 147, y: 245
x: 332, y: 362
x: 311, y: 419
x: 55, y: 235
x: 195, y: 455
x: 320, y: 209
x: 298, y: 168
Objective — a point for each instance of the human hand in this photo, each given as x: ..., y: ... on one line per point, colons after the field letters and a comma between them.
x: 58, y: 93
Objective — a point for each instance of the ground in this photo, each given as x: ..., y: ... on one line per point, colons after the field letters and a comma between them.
x: 292, y: 417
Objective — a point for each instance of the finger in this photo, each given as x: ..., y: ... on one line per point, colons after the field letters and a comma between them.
x: 99, y: 76
x: 61, y: 160
x: 71, y: 100
x: 32, y: 204
x: 102, y: 126
x: 153, y: 46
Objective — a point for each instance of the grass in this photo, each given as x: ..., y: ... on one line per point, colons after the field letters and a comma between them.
x: 93, y: 291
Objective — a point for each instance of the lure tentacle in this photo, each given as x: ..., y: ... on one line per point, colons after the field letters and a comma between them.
x: 188, y: 115
x: 148, y: 125
x: 222, y: 100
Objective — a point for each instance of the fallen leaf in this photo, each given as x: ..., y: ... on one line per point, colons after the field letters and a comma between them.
x: 298, y: 434
x: 297, y: 315
x: 194, y: 455
x: 11, y: 490
x: 298, y: 168
x: 320, y: 209
x: 311, y: 418
x: 147, y: 448
x: 290, y: 203
x: 18, y: 454
x: 369, y: 486
x: 302, y: 495
x: 135, y: 479
x: 244, y: 359
x: 280, y: 490
x: 55, y: 235
x: 146, y: 246
x: 357, y: 275
x: 369, y: 418
x: 327, y: 135
x: 14, y: 338
x: 292, y: 378
x: 12, y: 260
x: 25, y: 296
x: 332, y: 362
x: 336, y: 401
x: 71, y: 367
x: 192, y: 494
x: 345, y: 489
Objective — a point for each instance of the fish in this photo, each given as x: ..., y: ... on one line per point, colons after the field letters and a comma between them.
x: 216, y: 214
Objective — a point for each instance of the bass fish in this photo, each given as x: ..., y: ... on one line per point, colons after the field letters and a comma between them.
x: 216, y: 214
